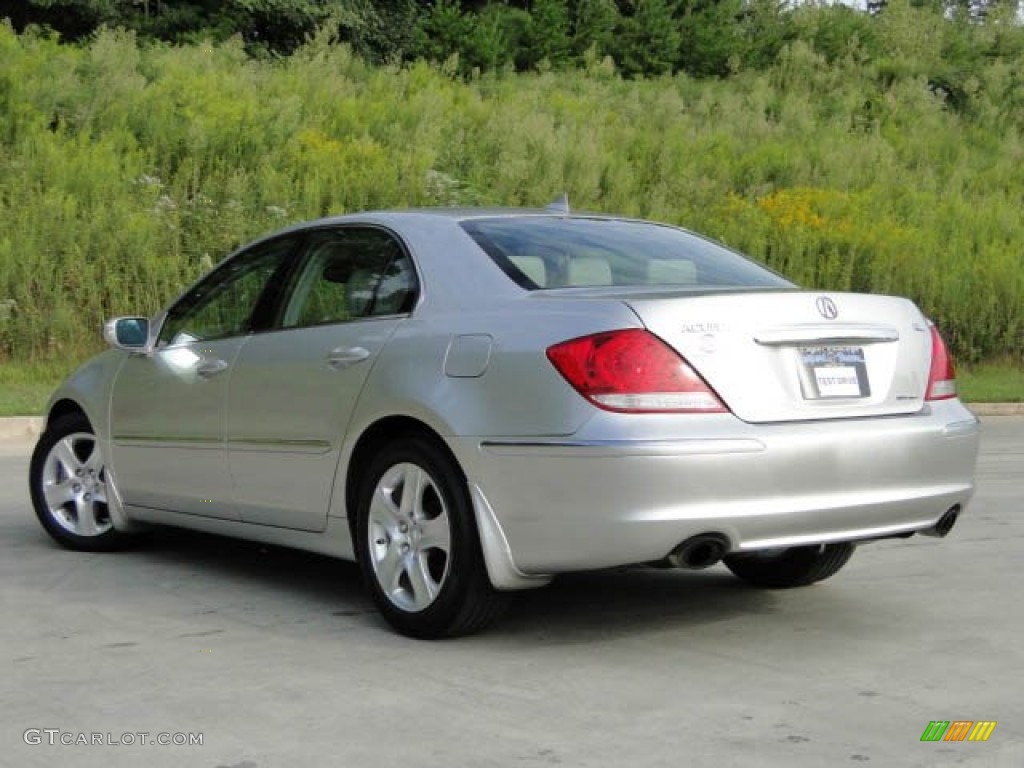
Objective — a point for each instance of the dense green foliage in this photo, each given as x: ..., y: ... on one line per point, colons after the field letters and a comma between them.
x: 871, y: 153
x: 643, y: 37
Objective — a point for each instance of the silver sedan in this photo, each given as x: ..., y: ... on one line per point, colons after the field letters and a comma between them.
x: 472, y: 402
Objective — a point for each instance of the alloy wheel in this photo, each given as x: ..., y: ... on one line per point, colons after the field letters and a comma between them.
x: 74, y: 485
x: 409, y: 535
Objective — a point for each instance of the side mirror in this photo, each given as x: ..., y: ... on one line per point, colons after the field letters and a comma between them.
x: 128, y: 333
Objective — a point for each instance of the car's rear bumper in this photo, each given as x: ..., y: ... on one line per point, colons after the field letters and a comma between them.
x: 566, y: 504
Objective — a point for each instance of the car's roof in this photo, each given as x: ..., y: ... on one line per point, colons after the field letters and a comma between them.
x: 409, y: 220
x: 397, y: 217
x: 474, y: 212
x: 459, y: 214
x: 462, y: 214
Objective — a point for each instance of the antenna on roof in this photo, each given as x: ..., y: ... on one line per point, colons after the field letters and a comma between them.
x: 559, y: 205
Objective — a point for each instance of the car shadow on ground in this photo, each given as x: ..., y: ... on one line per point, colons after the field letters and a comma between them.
x: 327, y: 582
x: 574, y: 608
x: 578, y: 607
x: 584, y: 607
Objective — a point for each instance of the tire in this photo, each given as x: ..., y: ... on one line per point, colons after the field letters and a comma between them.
x: 792, y: 567
x: 67, y: 482
x: 421, y: 559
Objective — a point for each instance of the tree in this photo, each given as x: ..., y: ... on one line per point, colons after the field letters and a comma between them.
x: 547, y: 35
x: 766, y: 26
x: 277, y: 25
x: 73, y: 19
x: 442, y: 30
x: 648, y: 41
x: 712, y: 41
x: 594, y: 25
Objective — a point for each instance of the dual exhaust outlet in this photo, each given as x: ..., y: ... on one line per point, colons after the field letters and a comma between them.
x: 707, y: 549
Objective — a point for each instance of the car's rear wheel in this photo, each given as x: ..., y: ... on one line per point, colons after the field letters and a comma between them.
x: 68, y: 484
x: 418, y: 545
x: 790, y: 567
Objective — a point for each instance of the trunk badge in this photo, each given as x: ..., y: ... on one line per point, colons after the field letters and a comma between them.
x: 827, y: 308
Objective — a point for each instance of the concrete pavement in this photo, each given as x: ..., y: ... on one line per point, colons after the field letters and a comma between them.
x: 18, y: 427
x: 278, y: 659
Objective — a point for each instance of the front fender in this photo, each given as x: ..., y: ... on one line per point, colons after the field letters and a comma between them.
x: 89, y: 388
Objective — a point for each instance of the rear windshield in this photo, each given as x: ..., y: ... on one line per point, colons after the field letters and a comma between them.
x: 542, y: 252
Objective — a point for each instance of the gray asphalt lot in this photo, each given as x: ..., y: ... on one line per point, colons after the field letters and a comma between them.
x: 278, y: 659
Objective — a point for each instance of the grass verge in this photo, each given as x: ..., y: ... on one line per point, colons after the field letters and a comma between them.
x: 25, y: 387
x: 991, y: 383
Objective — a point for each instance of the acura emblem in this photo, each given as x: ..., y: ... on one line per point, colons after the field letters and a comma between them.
x: 827, y: 308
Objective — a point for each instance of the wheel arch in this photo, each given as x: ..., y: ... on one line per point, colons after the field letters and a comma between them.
x: 67, y: 417
x: 501, y: 568
x: 65, y: 406
x: 372, y: 440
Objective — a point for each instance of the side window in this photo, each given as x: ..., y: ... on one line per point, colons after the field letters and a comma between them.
x: 223, y: 304
x: 349, y: 273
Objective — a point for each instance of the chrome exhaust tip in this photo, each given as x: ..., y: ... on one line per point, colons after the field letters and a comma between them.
x: 945, y: 524
x: 700, y: 551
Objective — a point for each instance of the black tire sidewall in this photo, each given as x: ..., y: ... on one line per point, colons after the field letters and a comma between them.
x: 466, y: 577
x: 795, y: 567
x: 57, y: 430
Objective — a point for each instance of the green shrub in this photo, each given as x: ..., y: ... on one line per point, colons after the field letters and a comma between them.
x: 126, y: 170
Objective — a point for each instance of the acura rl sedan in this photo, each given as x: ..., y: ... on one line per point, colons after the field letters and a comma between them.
x: 470, y: 402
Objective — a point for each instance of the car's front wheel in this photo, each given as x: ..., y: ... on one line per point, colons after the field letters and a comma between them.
x: 68, y: 484
x: 418, y: 545
x: 790, y: 567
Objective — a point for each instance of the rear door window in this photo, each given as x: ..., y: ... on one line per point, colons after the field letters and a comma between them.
x: 348, y: 273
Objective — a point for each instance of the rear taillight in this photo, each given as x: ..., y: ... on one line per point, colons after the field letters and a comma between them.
x: 633, y: 370
x: 941, y: 376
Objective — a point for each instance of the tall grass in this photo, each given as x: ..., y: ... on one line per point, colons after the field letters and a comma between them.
x: 127, y: 170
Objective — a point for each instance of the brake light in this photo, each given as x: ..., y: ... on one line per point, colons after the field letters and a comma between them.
x: 942, y: 375
x: 633, y: 370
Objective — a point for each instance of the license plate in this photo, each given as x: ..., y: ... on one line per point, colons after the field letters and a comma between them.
x: 833, y: 372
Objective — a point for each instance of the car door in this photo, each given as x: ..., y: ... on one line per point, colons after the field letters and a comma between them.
x: 293, y: 388
x: 168, y: 407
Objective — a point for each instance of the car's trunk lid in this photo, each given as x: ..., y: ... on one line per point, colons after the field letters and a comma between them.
x: 793, y: 355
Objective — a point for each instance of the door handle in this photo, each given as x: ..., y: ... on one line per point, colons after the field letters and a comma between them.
x: 210, y: 368
x: 343, y: 357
